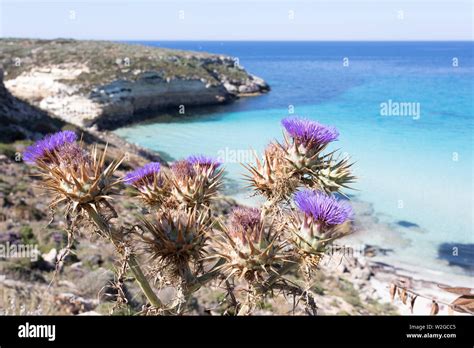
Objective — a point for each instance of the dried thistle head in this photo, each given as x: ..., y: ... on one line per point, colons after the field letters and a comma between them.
x: 243, y: 220
x: 318, y: 224
x: 77, y: 177
x: 176, y: 238
x: 250, y: 249
x: 150, y: 184
x: 272, y: 177
x: 196, y: 180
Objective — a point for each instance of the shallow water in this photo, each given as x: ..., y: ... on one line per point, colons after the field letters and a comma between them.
x: 415, y: 168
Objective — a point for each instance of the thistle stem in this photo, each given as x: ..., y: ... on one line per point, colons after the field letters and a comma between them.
x: 244, y: 310
x: 106, y: 229
x: 305, y: 295
x: 269, y: 284
x: 143, y: 282
x: 273, y: 278
x: 202, y: 280
x: 184, y: 291
x: 246, y: 307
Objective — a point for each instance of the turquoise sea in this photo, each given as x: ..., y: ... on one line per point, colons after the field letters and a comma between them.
x: 416, y: 169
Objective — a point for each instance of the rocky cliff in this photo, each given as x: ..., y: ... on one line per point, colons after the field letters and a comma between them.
x: 19, y: 120
x: 108, y: 84
x: 21, y: 123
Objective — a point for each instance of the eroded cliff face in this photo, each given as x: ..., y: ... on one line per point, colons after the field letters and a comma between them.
x: 104, y: 84
x: 19, y: 120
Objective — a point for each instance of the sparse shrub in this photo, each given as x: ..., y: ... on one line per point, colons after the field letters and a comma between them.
x: 8, y: 150
x: 27, y: 235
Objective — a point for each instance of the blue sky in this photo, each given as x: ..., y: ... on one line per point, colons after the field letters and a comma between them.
x: 239, y: 19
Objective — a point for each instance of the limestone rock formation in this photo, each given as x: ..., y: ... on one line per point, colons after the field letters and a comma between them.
x: 108, y: 84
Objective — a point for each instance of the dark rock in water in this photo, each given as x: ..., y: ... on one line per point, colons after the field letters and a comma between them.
x: 407, y: 224
x: 373, y: 250
x: 461, y: 255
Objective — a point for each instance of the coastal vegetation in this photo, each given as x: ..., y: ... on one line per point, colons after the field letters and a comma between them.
x: 188, y: 244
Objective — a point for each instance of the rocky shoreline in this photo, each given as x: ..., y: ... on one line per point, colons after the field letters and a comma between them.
x: 107, y: 84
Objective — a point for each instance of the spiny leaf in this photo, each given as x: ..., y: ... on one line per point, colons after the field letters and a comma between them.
x: 457, y: 290
x: 434, y: 308
x: 412, y: 302
x: 403, y: 296
x: 463, y: 304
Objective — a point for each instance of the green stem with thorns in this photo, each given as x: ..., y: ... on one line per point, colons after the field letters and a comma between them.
x: 131, y: 260
x: 274, y: 277
x: 143, y: 282
x: 245, y: 309
x: 202, y: 280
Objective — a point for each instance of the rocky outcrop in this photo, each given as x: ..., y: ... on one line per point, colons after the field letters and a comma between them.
x: 19, y: 120
x: 107, y: 84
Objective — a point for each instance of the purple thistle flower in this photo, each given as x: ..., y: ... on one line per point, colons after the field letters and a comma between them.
x: 72, y: 154
x: 146, y: 174
x: 48, y: 145
x: 322, y: 208
x: 204, y: 161
x: 183, y: 169
x: 244, y: 224
x: 309, y: 132
x: 245, y: 218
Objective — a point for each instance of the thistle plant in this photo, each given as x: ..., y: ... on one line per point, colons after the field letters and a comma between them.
x: 75, y: 176
x: 149, y: 184
x: 253, y: 253
x: 176, y: 239
x: 250, y: 249
x: 300, y: 161
x: 81, y: 181
x: 196, y: 180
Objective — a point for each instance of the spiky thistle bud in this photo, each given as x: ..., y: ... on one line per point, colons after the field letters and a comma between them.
x: 249, y: 248
x: 76, y: 176
x: 272, y: 177
x: 319, y: 222
x: 196, y: 180
x: 150, y: 183
x: 176, y: 238
x: 334, y: 175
